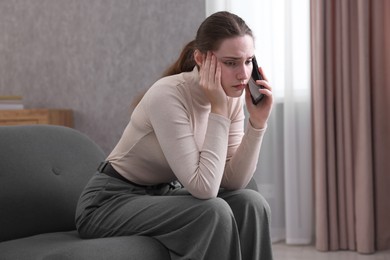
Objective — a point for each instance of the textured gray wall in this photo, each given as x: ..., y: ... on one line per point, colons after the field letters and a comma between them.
x: 92, y: 56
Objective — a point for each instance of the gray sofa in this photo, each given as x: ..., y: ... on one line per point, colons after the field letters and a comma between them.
x: 43, y: 170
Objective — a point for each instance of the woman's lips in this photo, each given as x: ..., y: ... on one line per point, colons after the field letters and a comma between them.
x: 240, y: 86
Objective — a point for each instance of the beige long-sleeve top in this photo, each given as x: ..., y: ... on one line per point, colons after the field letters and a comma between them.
x: 172, y: 135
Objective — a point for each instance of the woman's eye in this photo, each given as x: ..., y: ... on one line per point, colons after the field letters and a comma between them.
x: 235, y: 63
x: 230, y: 63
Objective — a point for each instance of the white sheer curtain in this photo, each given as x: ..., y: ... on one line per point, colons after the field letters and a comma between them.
x: 284, y: 172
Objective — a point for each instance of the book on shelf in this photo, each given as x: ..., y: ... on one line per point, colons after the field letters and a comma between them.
x: 11, y: 102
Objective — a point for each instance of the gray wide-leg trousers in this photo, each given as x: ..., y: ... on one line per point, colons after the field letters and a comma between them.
x: 233, y: 226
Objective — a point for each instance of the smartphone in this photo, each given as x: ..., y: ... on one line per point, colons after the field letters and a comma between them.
x: 253, y: 87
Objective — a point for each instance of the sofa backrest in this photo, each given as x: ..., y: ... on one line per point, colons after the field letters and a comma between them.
x: 43, y: 170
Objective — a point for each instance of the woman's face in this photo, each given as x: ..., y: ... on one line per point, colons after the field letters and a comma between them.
x: 235, y: 56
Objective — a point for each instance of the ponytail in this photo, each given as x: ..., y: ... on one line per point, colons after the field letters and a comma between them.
x: 185, y: 62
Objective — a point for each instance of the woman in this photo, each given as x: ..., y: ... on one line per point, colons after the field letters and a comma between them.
x: 180, y: 169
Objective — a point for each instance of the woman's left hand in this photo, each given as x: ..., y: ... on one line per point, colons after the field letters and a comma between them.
x: 259, y: 114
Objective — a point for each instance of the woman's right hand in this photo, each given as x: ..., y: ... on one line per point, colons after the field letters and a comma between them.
x: 210, y: 81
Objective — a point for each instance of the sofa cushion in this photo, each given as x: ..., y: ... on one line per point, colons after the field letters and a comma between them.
x: 43, y: 170
x: 67, y: 245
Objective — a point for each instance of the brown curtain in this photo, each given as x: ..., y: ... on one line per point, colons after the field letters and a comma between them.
x: 350, y: 59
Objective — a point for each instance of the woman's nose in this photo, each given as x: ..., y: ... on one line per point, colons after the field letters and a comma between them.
x: 243, y: 73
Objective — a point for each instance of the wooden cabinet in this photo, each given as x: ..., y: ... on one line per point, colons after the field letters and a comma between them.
x: 37, y: 116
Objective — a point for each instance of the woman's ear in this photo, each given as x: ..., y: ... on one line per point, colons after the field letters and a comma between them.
x: 198, y: 57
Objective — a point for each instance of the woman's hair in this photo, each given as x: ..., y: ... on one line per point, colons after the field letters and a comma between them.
x: 213, y: 30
